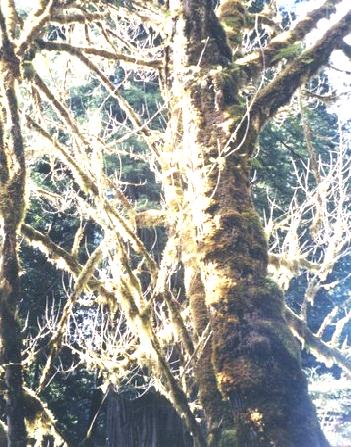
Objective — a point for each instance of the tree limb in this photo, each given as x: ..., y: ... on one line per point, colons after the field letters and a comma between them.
x: 87, y: 184
x: 11, y: 17
x: 55, y: 343
x: 148, y: 15
x: 346, y: 48
x: 39, y: 420
x: 149, y: 136
x: 82, y: 18
x: 321, y: 350
x: 12, y: 211
x: 76, y: 51
x: 150, y: 218
x: 279, y: 92
x: 62, y: 259
x: 34, y: 25
x: 283, y: 40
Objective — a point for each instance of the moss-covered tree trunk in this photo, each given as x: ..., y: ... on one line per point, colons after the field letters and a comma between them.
x: 181, y: 233
x: 253, y: 354
x: 12, y: 180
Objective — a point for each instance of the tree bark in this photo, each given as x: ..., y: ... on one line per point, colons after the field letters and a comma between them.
x: 148, y: 421
x: 181, y: 228
x: 216, y: 409
x: 255, y: 357
x: 12, y: 180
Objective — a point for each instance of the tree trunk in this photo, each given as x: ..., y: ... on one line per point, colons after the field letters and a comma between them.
x: 181, y: 231
x: 255, y: 358
x: 148, y: 421
x: 12, y: 180
x: 10, y: 351
x: 217, y: 412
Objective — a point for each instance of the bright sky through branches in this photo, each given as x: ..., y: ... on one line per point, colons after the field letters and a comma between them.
x: 340, y: 81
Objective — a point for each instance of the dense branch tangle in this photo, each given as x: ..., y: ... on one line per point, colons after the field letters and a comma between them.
x: 217, y: 99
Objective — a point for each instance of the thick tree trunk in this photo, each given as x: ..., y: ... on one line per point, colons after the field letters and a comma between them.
x: 254, y: 355
x: 181, y: 231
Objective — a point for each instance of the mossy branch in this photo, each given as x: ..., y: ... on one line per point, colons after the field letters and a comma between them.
x: 39, y: 421
x: 150, y: 218
x: 76, y: 17
x: 54, y: 253
x: 12, y: 209
x: 149, y: 136
x: 276, y: 261
x: 33, y: 25
x: 84, y: 180
x: 63, y: 260
x: 87, y: 184
x: 162, y: 291
x: 279, y: 92
x: 140, y: 324
x: 321, y: 350
x: 56, y: 340
x: 253, y: 61
x: 11, y: 17
x: 4, y: 162
x: 62, y: 112
x: 117, y: 56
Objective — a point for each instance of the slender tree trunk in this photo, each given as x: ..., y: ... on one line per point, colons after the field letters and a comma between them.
x: 12, y: 180
x: 254, y: 355
x: 10, y: 350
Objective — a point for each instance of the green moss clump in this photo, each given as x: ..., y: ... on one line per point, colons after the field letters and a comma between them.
x: 228, y: 439
x: 272, y: 288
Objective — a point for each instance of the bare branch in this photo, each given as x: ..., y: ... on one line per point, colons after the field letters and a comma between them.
x: 143, y: 12
x: 313, y: 235
x: 339, y: 328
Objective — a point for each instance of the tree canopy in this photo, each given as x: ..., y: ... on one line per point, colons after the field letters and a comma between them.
x: 175, y: 221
